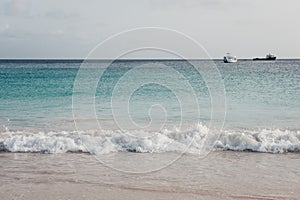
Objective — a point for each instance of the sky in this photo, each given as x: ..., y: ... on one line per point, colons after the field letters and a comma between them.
x: 72, y: 28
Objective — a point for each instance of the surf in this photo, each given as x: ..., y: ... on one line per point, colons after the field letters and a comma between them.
x: 191, y: 140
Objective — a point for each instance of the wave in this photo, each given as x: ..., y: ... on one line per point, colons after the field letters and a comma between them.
x: 191, y: 141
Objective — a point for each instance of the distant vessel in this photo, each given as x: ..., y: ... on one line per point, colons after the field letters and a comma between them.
x: 268, y: 57
x: 229, y: 59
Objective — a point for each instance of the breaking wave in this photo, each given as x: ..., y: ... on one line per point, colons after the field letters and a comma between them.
x: 190, y: 141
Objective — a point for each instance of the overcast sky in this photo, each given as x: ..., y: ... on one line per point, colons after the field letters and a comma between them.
x: 72, y: 28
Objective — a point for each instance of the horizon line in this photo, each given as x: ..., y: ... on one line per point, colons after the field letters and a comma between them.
x: 126, y: 59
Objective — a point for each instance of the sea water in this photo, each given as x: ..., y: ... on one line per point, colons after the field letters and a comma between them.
x: 147, y: 106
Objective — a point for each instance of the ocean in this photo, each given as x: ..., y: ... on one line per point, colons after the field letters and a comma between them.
x: 167, y: 101
x: 149, y: 128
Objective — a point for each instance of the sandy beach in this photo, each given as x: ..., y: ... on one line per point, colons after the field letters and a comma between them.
x: 221, y: 175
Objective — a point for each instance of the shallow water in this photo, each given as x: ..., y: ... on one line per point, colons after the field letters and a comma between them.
x: 258, y: 94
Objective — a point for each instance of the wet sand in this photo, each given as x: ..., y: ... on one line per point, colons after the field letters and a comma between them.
x: 220, y: 175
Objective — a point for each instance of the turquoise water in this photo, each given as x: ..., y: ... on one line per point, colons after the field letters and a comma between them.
x: 37, y: 95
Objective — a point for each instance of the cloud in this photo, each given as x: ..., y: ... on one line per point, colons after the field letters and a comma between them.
x: 4, y: 27
x: 86, y: 22
x: 16, y: 8
x: 58, y: 14
x: 7, y: 31
x: 163, y: 4
x: 58, y: 32
x: 211, y: 4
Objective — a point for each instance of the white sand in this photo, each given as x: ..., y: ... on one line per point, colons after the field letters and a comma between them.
x: 221, y: 175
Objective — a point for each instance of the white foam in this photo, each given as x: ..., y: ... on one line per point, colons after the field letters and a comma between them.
x: 273, y: 141
x: 191, y: 141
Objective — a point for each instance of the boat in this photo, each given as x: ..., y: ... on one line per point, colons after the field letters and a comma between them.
x: 229, y: 59
x: 268, y: 57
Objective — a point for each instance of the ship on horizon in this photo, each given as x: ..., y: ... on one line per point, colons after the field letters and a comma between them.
x: 229, y: 58
x: 268, y: 57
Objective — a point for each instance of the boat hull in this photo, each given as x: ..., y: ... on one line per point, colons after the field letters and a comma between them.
x: 226, y: 60
x: 267, y: 59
